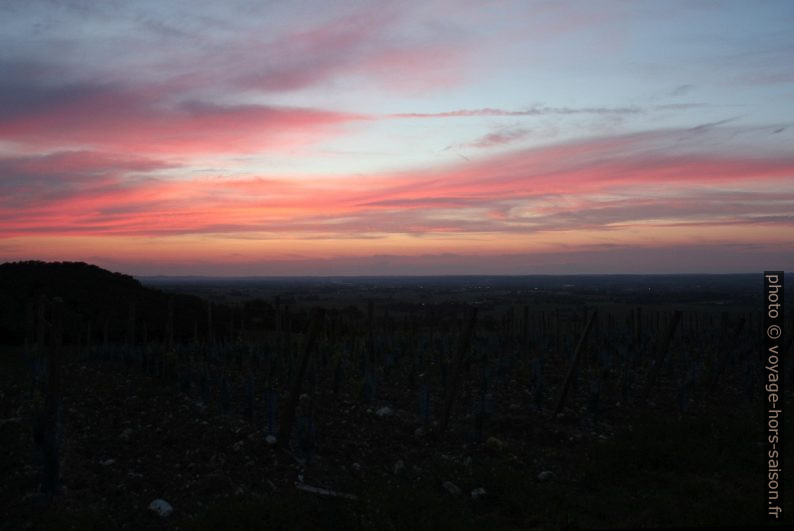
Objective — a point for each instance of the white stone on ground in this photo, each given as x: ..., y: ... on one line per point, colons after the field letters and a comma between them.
x: 161, y: 507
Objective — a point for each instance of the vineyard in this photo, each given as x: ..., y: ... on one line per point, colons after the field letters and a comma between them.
x: 478, y: 414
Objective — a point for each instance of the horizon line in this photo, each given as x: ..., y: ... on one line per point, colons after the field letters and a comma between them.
x: 455, y: 275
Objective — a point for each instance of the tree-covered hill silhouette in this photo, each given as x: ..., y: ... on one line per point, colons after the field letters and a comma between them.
x: 98, y: 304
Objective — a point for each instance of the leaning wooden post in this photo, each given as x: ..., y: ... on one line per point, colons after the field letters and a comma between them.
x: 661, y: 352
x: 292, y: 401
x: 52, y: 403
x: 452, y: 390
x: 574, y: 362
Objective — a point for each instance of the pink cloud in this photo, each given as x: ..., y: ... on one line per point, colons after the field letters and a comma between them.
x: 499, y: 138
x: 606, y: 183
x: 125, y: 121
x: 365, y: 44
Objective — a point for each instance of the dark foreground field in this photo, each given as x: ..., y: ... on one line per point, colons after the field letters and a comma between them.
x: 187, y: 422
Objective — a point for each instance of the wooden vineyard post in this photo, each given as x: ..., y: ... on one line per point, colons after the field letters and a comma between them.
x: 231, y: 325
x: 90, y: 336
x: 52, y: 404
x: 557, y: 332
x: 30, y: 323
x: 210, y: 331
x: 292, y: 400
x: 131, y: 324
x: 370, y: 334
x: 596, y: 327
x: 661, y: 352
x: 572, y: 368
x: 169, y: 325
x: 452, y: 389
x: 40, y: 328
x: 722, y: 350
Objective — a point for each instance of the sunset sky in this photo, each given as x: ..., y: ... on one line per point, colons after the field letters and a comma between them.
x: 398, y: 137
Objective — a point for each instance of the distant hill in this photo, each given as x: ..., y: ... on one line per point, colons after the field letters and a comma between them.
x: 95, y: 299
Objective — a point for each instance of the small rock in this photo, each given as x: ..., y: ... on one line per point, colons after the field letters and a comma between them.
x: 161, y: 507
x: 467, y: 461
x: 477, y: 493
x: 494, y: 443
x: 125, y: 435
x: 451, y: 488
x: 356, y: 467
x: 419, y: 432
x: 107, y: 462
x: 237, y: 446
x: 270, y: 439
x: 546, y: 475
x: 399, y: 467
x: 384, y: 411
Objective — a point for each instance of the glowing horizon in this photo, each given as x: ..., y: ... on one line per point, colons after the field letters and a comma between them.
x: 419, y: 138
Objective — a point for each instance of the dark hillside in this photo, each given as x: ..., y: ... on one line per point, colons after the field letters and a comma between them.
x: 98, y: 304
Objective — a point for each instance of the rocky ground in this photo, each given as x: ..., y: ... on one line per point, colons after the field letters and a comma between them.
x: 130, y: 439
